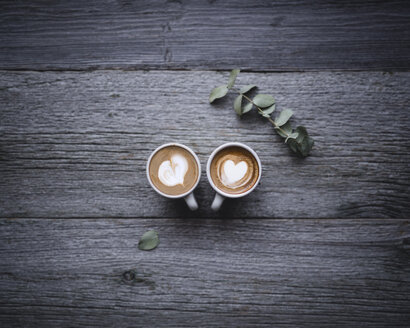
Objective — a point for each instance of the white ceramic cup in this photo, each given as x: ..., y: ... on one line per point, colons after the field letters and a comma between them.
x: 220, y: 195
x: 189, y: 195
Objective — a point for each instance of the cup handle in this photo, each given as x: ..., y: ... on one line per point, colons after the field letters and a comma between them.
x: 217, y: 203
x: 191, y: 202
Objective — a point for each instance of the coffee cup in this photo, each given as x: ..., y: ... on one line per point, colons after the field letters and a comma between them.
x: 234, y: 170
x: 174, y: 171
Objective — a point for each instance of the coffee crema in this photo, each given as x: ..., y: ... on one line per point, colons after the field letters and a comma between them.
x: 234, y: 170
x: 173, y: 170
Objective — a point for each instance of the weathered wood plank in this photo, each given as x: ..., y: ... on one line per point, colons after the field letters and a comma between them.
x: 76, y: 144
x: 213, y: 273
x: 257, y: 35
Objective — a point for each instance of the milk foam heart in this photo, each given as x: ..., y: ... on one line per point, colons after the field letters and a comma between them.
x: 172, y: 173
x: 233, y: 173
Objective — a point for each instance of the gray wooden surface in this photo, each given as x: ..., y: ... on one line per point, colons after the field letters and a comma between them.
x: 257, y: 35
x: 212, y: 273
x: 76, y: 144
x: 89, y: 89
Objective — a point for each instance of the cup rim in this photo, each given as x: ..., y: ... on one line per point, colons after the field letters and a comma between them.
x: 217, y: 150
x: 197, y: 162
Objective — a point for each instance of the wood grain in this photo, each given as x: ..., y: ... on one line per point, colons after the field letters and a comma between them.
x: 208, y: 273
x: 76, y: 144
x: 255, y: 35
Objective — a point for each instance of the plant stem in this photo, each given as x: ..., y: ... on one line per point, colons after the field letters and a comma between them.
x: 261, y: 111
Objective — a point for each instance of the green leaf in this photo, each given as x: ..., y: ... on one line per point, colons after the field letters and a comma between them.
x: 293, y: 145
x: 247, y: 88
x: 305, y: 146
x: 247, y: 108
x: 287, y: 128
x: 237, y: 105
x: 263, y: 101
x: 283, y: 117
x: 148, y: 241
x: 217, y: 93
x: 302, y: 133
x: 304, y: 142
x: 232, y: 78
x: 307, y: 143
x: 267, y: 112
x: 292, y: 135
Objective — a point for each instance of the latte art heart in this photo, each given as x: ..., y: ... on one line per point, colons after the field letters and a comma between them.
x: 234, y: 170
x: 172, y: 172
x: 232, y: 173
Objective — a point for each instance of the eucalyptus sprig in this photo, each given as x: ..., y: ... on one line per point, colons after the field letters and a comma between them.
x: 297, y: 139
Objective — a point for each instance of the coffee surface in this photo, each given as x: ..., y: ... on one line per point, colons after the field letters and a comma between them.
x: 173, y: 170
x: 234, y: 170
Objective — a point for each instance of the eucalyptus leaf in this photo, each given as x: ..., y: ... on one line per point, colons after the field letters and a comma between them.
x: 247, y: 88
x: 302, y: 133
x: 247, y: 107
x: 268, y: 111
x: 232, y: 78
x: 306, y: 146
x: 263, y: 101
x: 304, y: 142
x: 218, y: 92
x: 283, y: 117
x: 148, y: 241
x: 237, y: 105
x: 292, y: 135
x: 293, y: 145
x: 284, y: 130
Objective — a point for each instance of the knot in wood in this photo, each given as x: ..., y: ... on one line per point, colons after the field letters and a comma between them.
x: 128, y: 275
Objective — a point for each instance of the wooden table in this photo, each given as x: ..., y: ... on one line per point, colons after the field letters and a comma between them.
x: 88, y: 89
